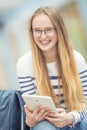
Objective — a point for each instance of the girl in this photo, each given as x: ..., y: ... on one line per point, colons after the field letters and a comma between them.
x: 53, y: 69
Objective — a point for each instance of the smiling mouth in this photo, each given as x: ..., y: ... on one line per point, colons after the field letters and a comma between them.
x: 45, y: 43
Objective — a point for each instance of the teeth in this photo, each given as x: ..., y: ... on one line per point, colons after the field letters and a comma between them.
x: 44, y: 42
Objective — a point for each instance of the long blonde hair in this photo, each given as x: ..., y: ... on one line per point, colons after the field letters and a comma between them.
x: 71, y: 84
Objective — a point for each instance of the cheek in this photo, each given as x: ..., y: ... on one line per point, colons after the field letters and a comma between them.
x: 36, y: 40
x: 55, y: 38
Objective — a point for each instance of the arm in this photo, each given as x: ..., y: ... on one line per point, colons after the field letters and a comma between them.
x: 27, y: 86
x: 82, y: 70
x: 62, y: 119
x: 24, y: 74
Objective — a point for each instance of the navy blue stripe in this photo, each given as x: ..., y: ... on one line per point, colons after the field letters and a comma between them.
x: 25, y: 81
x: 84, y: 81
x: 24, y: 77
x: 81, y: 115
x: 27, y: 85
x: 55, y: 77
x: 59, y: 95
x: 56, y: 86
x: 85, y: 90
x: 83, y: 76
x: 62, y: 101
x: 33, y: 78
x: 84, y: 85
x: 83, y: 72
x: 31, y: 93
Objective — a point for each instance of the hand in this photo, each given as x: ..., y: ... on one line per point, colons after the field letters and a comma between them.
x: 60, y: 119
x: 32, y: 117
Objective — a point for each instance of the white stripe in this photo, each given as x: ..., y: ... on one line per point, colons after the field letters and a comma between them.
x: 55, y: 82
x: 29, y: 92
x: 25, y: 84
x: 83, y: 74
x: 56, y: 91
x: 84, y: 84
x: 85, y: 88
x: 84, y: 79
x: 26, y: 88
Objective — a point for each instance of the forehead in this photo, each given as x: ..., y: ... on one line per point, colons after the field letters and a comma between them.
x: 41, y: 21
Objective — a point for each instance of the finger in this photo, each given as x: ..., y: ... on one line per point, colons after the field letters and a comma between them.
x: 36, y: 109
x: 25, y: 106
x: 54, y: 115
x: 60, y: 110
x: 29, y: 122
x: 46, y: 107
x: 42, y: 117
x: 54, y: 120
x: 27, y: 110
x: 50, y: 120
x: 44, y: 111
x: 42, y: 114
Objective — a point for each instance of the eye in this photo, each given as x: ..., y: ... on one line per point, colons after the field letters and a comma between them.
x: 37, y: 30
x: 49, y: 29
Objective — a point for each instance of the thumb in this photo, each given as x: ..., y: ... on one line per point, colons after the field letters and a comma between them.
x: 27, y: 110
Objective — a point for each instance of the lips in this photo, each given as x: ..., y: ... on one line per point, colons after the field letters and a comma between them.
x: 45, y: 42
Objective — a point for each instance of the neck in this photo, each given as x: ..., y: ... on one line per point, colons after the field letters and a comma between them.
x: 50, y: 56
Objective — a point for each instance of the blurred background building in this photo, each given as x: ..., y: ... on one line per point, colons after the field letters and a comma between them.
x: 14, y: 40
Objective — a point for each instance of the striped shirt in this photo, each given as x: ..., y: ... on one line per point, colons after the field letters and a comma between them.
x: 26, y: 79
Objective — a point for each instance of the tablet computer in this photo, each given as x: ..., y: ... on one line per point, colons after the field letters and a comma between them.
x: 33, y: 100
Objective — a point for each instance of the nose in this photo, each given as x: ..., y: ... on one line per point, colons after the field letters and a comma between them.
x: 43, y: 34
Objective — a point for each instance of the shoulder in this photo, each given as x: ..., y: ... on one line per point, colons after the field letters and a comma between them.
x: 25, y: 59
x: 80, y: 61
x: 25, y: 64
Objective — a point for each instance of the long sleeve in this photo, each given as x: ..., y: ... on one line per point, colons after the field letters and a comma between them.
x: 25, y: 75
x: 82, y: 70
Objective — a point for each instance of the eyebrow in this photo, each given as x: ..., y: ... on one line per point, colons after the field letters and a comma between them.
x: 43, y: 29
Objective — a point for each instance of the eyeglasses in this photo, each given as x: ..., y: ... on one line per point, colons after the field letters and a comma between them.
x: 48, y: 32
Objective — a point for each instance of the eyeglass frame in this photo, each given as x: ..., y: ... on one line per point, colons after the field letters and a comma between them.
x: 51, y: 29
